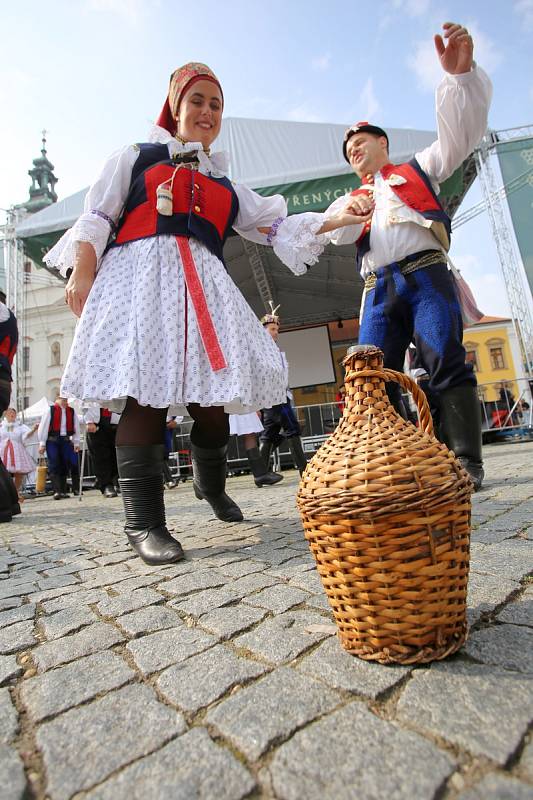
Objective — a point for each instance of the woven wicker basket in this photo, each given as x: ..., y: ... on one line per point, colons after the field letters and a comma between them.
x: 386, y: 511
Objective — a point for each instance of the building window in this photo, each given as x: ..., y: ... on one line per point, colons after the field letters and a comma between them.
x: 471, y: 358
x: 54, y: 393
x: 25, y: 402
x: 26, y: 358
x: 497, y: 360
x: 27, y: 271
x: 55, y: 352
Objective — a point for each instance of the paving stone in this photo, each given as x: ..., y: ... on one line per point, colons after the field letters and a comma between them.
x: 309, y: 580
x: 485, y: 593
x: 271, y: 709
x: 10, y: 602
x: 91, y: 639
x: 340, y: 670
x: 71, y: 568
x: 508, y: 646
x: 12, y: 779
x: 226, y: 622
x: 9, y: 669
x: 483, y: 709
x: 148, y: 620
x: 110, y: 733
x: 511, y: 560
x: 201, y: 602
x: 252, y: 583
x: 498, y: 787
x: 123, y: 603
x: 64, y: 622
x: 139, y: 582
x: 59, y: 689
x: 159, y: 650
x: 77, y: 597
x: 55, y: 583
x: 8, y: 717
x: 192, y: 767
x: 17, y: 615
x: 354, y: 754
x: 519, y: 612
x: 278, y: 598
x: 10, y: 589
x: 18, y: 636
x: 319, y: 601
x: 204, y: 678
x: 201, y: 579
x: 284, y: 637
x: 526, y: 761
x: 238, y: 569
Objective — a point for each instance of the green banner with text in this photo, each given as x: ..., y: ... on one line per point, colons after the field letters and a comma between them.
x: 516, y: 164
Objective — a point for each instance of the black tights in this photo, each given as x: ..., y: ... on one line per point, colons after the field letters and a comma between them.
x: 144, y: 425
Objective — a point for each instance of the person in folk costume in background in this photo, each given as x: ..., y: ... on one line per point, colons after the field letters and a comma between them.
x: 101, y: 426
x: 410, y: 294
x: 15, y: 457
x: 59, y: 437
x: 280, y: 417
x: 247, y: 426
x: 172, y: 424
x: 9, y: 502
x: 163, y: 329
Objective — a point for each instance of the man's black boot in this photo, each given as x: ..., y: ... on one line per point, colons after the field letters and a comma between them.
x: 265, y: 451
x: 56, y: 486
x: 141, y: 483
x: 460, y: 428
x: 297, y: 453
x: 209, y: 470
x: 262, y: 475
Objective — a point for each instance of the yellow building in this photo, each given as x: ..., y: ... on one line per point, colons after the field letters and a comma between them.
x: 492, y: 347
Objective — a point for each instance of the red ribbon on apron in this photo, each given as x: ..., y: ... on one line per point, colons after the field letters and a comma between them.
x: 8, y: 453
x: 203, y: 317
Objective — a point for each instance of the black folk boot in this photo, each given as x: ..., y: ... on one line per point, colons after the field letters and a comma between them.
x: 209, y: 470
x: 141, y: 483
x: 460, y: 428
x: 297, y: 453
x: 262, y: 475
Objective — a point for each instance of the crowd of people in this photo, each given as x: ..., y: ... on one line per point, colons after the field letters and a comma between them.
x: 163, y: 331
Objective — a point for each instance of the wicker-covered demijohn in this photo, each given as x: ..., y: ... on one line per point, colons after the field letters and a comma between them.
x: 386, y: 511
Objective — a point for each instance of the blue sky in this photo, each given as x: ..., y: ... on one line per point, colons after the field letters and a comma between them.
x: 94, y: 73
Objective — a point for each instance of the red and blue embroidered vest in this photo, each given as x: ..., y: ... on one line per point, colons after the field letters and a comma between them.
x: 203, y: 207
x: 55, y: 420
x: 417, y: 193
x: 9, y: 337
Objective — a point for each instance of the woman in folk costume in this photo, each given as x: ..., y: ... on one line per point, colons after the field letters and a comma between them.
x: 16, y: 458
x: 163, y: 329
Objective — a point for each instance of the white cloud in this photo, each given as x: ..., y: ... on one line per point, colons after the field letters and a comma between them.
x: 321, y: 63
x: 368, y: 101
x: 487, y: 287
x: 303, y: 113
x: 414, y: 8
x: 426, y: 65
x: 524, y: 9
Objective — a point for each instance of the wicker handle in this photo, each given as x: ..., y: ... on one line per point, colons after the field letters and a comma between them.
x: 424, y: 414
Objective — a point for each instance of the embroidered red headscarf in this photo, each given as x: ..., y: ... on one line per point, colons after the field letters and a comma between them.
x: 181, y: 80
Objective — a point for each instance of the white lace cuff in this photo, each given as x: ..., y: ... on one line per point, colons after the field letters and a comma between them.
x: 296, y: 242
x: 90, y: 227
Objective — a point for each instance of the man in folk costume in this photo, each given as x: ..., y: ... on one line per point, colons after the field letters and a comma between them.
x: 280, y: 417
x: 59, y: 436
x: 101, y: 433
x: 410, y: 294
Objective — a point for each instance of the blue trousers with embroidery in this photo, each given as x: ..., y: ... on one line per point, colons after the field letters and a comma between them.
x: 61, y: 456
x: 420, y: 308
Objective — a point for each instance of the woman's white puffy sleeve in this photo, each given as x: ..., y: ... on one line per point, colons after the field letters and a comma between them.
x: 103, y: 206
x: 294, y: 239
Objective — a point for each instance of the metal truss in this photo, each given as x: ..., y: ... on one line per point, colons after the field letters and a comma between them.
x: 518, y: 292
x: 15, y: 297
x: 260, y: 273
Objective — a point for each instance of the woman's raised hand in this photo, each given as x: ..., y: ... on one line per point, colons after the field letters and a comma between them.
x: 80, y: 282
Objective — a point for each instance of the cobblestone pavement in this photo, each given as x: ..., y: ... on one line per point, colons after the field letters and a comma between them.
x: 209, y: 679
